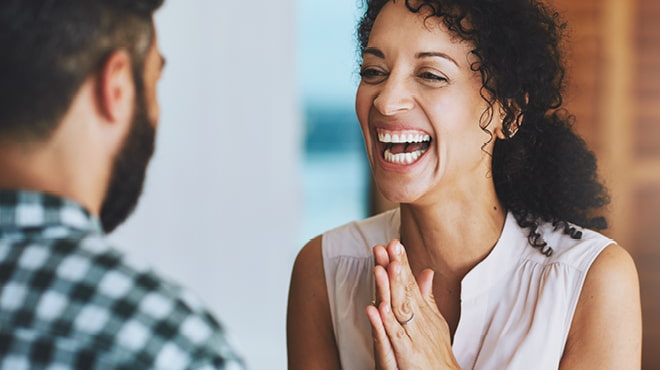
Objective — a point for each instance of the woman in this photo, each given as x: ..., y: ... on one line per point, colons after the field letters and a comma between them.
x: 458, y: 106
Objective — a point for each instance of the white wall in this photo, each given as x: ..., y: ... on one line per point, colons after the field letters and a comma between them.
x: 222, y: 205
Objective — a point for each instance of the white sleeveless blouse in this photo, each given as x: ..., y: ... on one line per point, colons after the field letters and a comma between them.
x: 516, y: 305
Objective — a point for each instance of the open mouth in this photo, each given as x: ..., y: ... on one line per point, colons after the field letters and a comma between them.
x: 403, y: 147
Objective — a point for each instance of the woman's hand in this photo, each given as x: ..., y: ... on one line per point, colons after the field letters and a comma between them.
x: 409, y: 331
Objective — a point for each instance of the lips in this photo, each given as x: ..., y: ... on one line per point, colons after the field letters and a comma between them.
x: 403, y: 147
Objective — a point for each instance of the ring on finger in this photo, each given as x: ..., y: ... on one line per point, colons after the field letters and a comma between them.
x: 407, y: 321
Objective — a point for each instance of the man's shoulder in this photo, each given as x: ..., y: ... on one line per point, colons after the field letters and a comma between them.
x: 79, y: 289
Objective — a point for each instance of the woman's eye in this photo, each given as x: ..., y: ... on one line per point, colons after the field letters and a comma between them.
x: 372, y: 75
x: 432, y: 77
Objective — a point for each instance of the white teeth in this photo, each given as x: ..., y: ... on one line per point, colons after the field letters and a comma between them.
x: 403, y: 158
x: 403, y: 138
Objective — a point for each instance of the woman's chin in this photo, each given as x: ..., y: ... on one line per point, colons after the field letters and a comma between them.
x: 396, y: 193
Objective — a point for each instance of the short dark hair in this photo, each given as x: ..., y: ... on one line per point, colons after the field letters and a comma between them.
x: 49, y: 48
x: 545, y: 173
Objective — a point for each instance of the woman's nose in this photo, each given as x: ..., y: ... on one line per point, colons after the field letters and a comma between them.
x: 394, y: 97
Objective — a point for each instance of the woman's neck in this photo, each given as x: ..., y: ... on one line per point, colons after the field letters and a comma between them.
x: 453, y: 236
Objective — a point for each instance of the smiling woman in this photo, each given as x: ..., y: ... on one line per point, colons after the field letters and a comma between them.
x: 415, y: 79
x: 459, y: 108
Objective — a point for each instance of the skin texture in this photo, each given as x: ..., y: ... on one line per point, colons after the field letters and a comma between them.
x: 607, y: 328
x: 416, y: 76
x: 310, y: 337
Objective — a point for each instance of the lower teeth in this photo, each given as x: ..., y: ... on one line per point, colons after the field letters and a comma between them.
x: 403, y: 158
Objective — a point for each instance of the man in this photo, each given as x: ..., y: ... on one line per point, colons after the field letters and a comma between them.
x: 78, y: 113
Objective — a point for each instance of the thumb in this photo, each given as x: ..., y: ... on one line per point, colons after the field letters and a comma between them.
x: 425, y: 283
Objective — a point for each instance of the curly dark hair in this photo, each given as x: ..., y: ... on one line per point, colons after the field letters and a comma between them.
x: 49, y: 48
x: 543, y: 171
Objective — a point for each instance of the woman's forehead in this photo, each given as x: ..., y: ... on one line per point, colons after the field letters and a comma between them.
x: 397, y: 26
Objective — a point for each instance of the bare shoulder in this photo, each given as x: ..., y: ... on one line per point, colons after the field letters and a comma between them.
x: 310, y: 334
x: 612, y: 275
x: 606, y: 329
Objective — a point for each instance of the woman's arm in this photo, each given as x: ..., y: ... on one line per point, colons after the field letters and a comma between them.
x: 310, y: 336
x: 606, y: 332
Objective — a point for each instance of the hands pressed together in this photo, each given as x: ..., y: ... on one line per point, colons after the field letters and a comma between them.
x: 408, y: 329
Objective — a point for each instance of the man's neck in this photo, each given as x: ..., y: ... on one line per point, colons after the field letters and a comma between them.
x: 45, y: 167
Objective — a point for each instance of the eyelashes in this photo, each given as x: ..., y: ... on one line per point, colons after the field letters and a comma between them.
x: 432, y: 77
x: 372, y: 76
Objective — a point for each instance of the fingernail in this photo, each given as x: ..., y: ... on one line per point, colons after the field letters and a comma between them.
x: 388, y: 308
x: 398, y: 248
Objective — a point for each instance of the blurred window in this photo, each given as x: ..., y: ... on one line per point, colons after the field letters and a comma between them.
x: 334, y: 167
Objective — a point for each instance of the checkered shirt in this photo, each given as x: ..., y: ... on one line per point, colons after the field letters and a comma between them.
x: 69, y: 301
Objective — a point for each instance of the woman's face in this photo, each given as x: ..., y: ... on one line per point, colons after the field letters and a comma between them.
x: 420, y: 108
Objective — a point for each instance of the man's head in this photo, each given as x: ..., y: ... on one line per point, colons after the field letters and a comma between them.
x: 51, y: 49
x: 130, y: 164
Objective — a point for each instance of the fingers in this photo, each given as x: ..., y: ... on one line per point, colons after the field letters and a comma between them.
x: 381, y: 256
x: 382, y: 285
x: 395, y: 251
x: 399, y: 340
x: 383, y: 352
x: 396, y: 284
x: 404, y: 291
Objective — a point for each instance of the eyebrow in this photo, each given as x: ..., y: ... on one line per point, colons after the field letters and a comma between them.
x: 431, y: 54
x: 426, y: 54
x: 375, y: 52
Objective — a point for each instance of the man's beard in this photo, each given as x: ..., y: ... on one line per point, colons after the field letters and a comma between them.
x: 129, y: 169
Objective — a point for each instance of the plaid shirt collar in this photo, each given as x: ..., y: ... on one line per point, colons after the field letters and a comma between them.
x: 70, y: 301
x: 21, y: 209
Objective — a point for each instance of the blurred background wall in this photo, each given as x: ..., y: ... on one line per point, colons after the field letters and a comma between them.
x: 614, y: 77
x: 335, y: 168
x: 222, y: 207
x: 259, y: 149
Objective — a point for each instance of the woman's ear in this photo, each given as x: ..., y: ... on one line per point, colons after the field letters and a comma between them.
x: 499, y: 129
x: 116, y: 89
x: 503, y: 133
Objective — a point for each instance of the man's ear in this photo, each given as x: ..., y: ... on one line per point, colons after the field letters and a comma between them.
x: 116, y: 89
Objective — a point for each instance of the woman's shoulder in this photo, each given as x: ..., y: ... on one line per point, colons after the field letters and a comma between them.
x: 608, y: 315
x: 355, y: 239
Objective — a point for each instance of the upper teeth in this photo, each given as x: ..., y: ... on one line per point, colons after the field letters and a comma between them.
x: 402, y: 138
